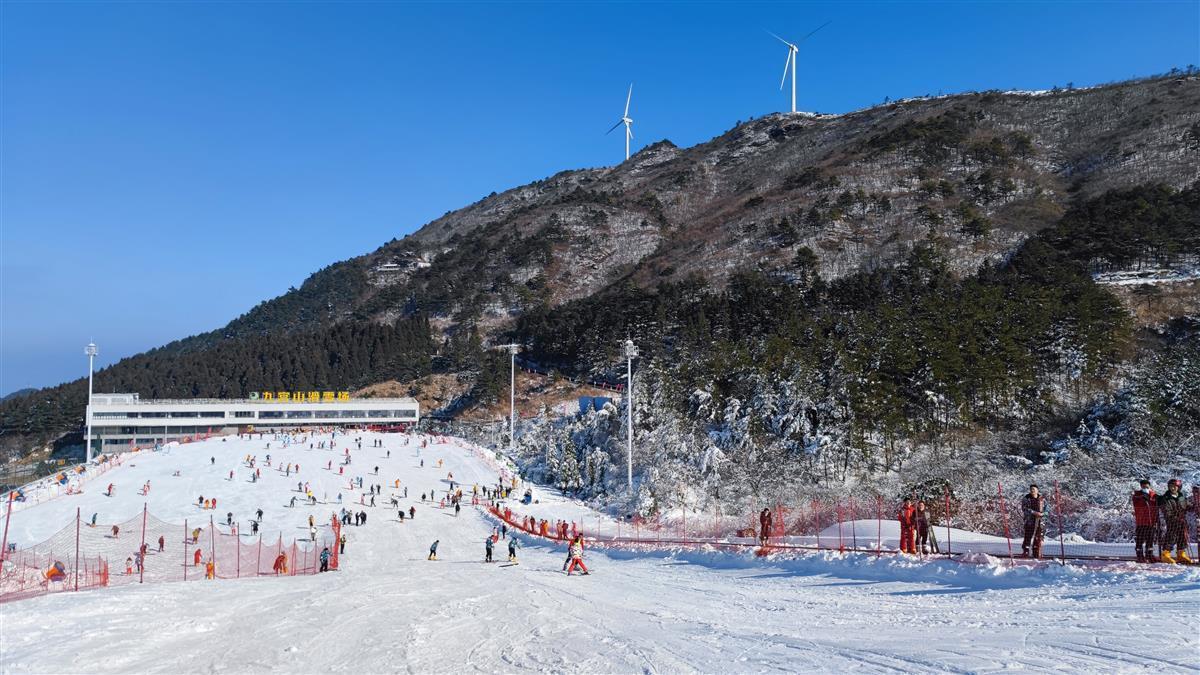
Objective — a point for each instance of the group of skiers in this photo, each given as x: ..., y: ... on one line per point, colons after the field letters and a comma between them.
x: 1162, y: 519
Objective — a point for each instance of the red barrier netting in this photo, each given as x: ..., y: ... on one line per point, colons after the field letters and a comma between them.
x: 1012, y: 524
x: 80, y: 556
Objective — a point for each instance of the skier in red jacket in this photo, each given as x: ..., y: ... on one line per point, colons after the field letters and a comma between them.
x: 908, y: 521
x: 1145, y: 520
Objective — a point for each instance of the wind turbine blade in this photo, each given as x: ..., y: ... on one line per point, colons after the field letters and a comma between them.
x: 817, y: 29
x: 778, y: 38
x: 629, y: 130
x: 619, y: 122
x: 628, y: 98
x: 786, y: 62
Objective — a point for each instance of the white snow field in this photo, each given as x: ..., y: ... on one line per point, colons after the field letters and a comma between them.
x: 390, y: 610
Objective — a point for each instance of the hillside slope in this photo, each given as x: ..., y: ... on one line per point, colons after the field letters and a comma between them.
x: 801, y: 197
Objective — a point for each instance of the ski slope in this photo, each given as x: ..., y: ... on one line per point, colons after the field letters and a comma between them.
x: 389, y: 609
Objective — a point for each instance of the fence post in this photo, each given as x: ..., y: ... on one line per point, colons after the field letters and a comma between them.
x: 841, y: 540
x: 4, y: 540
x: 185, y: 548
x: 853, y: 526
x: 237, y: 543
x: 946, y: 490
x: 878, y: 525
x: 1196, y: 523
x: 816, y: 506
x: 1062, y: 547
x: 212, y: 545
x: 142, y: 549
x: 77, y: 548
x: 1004, y: 515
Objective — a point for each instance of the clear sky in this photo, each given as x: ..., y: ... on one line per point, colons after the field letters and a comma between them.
x: 166, y: 166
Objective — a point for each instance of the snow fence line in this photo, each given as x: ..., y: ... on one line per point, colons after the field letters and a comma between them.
x: 877, y: 527
x: 146, y: 549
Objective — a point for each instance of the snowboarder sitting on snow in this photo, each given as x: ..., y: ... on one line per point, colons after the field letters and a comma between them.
x: 1145, y: 520
x: 1033, y: 506
x: 433, y: 550
x: 575, y: 553
x: 1174, y: 507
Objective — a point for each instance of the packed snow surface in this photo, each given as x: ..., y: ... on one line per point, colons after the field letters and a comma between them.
x: 389, y: 609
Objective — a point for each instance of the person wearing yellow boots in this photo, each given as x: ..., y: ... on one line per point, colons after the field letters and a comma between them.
x: 1173, y: 507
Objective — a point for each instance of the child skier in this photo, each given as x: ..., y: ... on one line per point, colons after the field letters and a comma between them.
x: 513, y: 545
x: 433, y: 550
x: 488, y: 543
x: 575, y: 552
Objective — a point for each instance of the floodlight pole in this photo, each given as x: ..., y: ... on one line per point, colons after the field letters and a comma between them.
x: 631, y: 352
x: 512, y: 399
x: 91, y: 352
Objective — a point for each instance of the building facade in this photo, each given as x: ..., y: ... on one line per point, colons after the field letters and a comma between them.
x: 123, y: 420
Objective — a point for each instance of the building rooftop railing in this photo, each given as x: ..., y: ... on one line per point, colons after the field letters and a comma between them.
x: 256, y: 401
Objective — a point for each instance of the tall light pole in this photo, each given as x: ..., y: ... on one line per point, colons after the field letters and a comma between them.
x: 91, y: 352
x: 512, y: 397
x: 631, y: 353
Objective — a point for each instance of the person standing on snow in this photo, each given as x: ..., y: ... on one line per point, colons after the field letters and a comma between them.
x: 575, y: 552
x: 513, y: 545
x: 921, y: 521
x: 1145, y: 521
x: 1033, y: 507
x: 433, y: 550
x: 325, y: 559
x: 907, y: 518
x: 488, y: 543
x: 1173, y: 507
x: 764, y: 522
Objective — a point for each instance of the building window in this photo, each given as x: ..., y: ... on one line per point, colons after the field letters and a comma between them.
x: 212, y: 413
x: 243, y: 413
x: 183, y: 413
x: 299, y: 414
x: 406, y: 413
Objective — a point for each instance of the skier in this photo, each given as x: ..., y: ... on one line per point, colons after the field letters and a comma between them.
x: 196, y: 558
x: 764, y: 521
x: 433, y: 550
x: 1033, y: 506
x: 116, y: 531
x: 907, y: 517
x: 280, y: 566
x: 254, y: 527
x: 342, y: 544
x: 162, y: 542
x: 488, y: 543
x: 513, y: 545
x: 229, y: 519
x: 1145, y: 520
x: 412, y: 512
x: 921, y: 520
x: 94, y: 520
x: 575, y: 553
x: 457, y: 508
x: 1173, y: 507
x: 325, y: 559
x: 259, y: 514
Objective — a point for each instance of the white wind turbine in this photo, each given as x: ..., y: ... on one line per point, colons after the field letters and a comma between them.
x: 793, y: 49
x: 626, y: 120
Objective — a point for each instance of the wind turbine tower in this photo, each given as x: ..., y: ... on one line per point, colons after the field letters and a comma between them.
x: 793, y: 50
x: 626, y: 120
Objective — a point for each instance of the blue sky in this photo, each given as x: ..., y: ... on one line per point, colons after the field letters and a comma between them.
x: 166, y: 166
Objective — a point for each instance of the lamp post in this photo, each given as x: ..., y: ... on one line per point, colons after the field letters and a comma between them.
x: 512, y: 397
x: 631, y: 352
x: 91, y: 352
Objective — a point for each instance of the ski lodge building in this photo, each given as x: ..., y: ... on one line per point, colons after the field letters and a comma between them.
x: 126, y: 420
